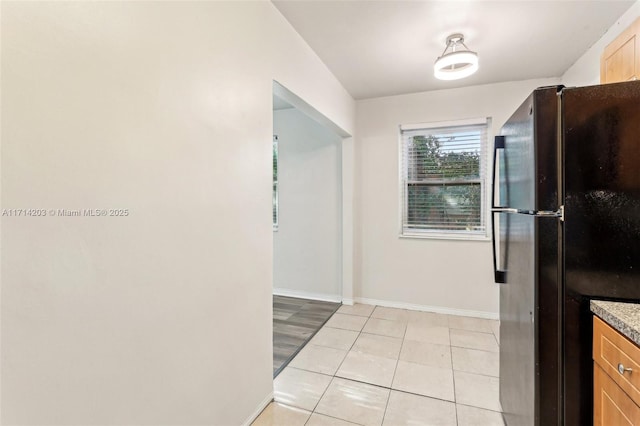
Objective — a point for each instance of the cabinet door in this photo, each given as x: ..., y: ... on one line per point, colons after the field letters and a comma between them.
x: 621, y: 58
x: 611, y: 406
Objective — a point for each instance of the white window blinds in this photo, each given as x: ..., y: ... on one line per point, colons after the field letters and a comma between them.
x: 443, y: 179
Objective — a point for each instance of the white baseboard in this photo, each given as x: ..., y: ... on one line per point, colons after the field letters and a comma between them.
x: 259, y: 410
x: 347, y: 302
x: 426, y: 308
x: 307, y: 295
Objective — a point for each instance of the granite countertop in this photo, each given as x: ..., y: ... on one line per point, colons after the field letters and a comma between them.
x: 624, y: 317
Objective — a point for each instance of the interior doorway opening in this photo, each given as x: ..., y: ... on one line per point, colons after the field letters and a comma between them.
x: 307, y: 222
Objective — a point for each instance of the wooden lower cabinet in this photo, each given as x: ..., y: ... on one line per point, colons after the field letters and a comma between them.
x: 611, y: 406
x: 616, y: 377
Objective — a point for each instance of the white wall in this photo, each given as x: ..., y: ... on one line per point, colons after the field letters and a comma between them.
x: 349, y: 259
x: 164, y: 108
x: 586, y: 70
x: 441, y: 275
x: 307, y: 245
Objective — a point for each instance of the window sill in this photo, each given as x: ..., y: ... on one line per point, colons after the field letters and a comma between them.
x: 446, y: 236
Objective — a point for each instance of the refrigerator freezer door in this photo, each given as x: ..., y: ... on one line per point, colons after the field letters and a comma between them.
x: 602, y: 186
x: 602, y: 219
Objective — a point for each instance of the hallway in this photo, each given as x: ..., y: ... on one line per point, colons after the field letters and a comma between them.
x: 294, y: 322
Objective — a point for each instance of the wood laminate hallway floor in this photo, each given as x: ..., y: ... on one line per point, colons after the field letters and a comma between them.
x: 295, y: 321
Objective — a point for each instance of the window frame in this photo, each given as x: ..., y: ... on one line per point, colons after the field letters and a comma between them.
x: 275, y: 208
x: 404, y: 230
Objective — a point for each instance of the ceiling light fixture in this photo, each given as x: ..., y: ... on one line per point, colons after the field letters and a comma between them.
x: 457, y: 61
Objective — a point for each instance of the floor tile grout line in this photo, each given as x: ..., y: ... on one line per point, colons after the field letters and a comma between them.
x: 360, y: 333
x: 406, y: 392
x: 453, y: 376
x: 409, y: 392
x: 401, y: 391
x: 423, y: 396
x: 475, y: 349
x: 476, y: 374
x: 321, y: 396
x: 396, y: 390
x: 472, y: 331
x: 393, y: 377
x: 473, y: 372
x: 289, y: 406
x: 479, y: 408
x: 334, y: 417
x: 494, y: 334
x: 336, y: 372
x: 310, y: 371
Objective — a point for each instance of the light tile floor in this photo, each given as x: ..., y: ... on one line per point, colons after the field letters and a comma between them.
x: 371, y: 365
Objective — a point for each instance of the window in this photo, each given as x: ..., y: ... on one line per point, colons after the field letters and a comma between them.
x: 443, y: 179
x: 275, y: 182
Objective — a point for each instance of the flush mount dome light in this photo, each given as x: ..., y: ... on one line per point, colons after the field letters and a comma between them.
x: 457, y: 61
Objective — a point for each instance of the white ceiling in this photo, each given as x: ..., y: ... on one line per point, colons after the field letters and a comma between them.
x: 380, y: 48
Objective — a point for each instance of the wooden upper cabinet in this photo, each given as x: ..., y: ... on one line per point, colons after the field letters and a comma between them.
x: 621, y: 58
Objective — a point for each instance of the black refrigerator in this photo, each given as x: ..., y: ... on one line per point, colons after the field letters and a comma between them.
x: 566, y: 229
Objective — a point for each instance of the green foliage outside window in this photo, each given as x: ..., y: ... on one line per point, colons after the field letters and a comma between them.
x: 444, y: 190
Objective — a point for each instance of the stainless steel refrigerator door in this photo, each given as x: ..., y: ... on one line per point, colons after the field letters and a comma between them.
x: 517, y: 331
x: 529, y: 262
x: 516, y: 192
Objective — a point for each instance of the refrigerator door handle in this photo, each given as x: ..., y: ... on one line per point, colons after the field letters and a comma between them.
x: 550, y: 213
x: 504, y: 210
x: 500, y: 276
x: 498, y: 143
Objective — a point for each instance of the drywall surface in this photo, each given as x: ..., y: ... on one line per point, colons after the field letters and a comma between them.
x: 348, y: 196
x: 307, y: 244
x: 586, y: 70
x: 158, y: 313
x: 447, y: 275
